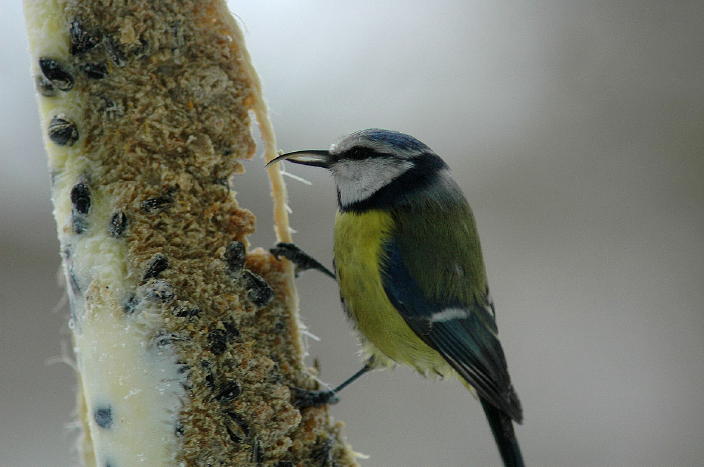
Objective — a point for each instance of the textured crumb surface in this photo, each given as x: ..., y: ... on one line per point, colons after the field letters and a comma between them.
x: 186, y: 342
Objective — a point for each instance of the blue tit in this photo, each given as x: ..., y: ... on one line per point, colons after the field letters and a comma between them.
x: 410, y: 269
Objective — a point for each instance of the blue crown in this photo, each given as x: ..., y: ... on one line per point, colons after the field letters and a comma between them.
x: 394, y: 138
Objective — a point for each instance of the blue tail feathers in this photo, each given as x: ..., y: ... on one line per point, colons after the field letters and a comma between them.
x: 502, y: 428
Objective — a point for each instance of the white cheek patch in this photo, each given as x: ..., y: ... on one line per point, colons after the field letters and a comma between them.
x: 448, y: 314
x: 357, y: 180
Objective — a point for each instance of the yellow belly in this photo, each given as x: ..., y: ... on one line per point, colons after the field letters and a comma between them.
x: 385, y: 334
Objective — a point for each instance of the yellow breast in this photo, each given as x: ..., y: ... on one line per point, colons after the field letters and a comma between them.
x: 359, y: 241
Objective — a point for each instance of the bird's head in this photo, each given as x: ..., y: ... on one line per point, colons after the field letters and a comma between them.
x: 374, y: 167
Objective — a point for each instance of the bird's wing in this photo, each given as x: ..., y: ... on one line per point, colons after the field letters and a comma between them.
x: 462, y: 331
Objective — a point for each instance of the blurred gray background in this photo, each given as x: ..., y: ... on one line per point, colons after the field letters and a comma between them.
x: 576, y: 129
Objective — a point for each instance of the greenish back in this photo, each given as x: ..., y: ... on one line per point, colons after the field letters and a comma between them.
x: 441, y: 250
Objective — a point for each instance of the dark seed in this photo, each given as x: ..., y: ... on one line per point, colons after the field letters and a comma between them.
x: 142, y: 49
x: 239, y: 421
x: 234, y: 256
x: 182, y: 367
x: 95, y: 70
x: 130, y: 305
x: 257, y: 453
x: 80, y: 198
x: 233, y: 436
x: 166, y: 339
x: 44, y: 86
x: 258, y: 291
x: 81, y: 40
x: 218, y: 341
x: 154, y: 204
x: 209, y: 378
x: 63, y: 131
x: 103, y: 417
x: 179, y: 430
x: 322, y: 453
x: 160, y: 291
x: 114, y: 52
x: 55, y: 73
x: 157, y: 264
x: 228, y: 392
x: 118, y: 224
x: 232, y: 331
x: 186, y: 312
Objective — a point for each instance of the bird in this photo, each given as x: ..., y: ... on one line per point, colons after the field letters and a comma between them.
x: 410, y: 270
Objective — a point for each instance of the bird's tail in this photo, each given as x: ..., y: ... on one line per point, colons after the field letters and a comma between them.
x: 502, y: 428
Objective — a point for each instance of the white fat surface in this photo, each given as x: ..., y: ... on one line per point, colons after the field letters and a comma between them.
x: 448, y: 314
x: 118, y: 364
x: 94, y: 254
x: 357, y: 180
x: 47, y: 38
x: 119, y: 367
x: 122, y: 369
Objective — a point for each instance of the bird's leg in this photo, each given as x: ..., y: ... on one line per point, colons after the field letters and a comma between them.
x: 302, y: 260
x: 304, y: 398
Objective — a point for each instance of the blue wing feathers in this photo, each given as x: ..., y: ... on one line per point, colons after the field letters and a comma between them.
x: 469, y: 344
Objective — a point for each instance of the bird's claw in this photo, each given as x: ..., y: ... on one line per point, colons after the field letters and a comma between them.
x: 304, y: 398
x: 302, y: 260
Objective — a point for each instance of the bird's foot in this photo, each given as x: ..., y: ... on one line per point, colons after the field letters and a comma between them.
x: 302, y: 260
x: 304, y: 398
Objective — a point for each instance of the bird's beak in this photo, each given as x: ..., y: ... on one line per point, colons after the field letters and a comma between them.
x: 314, y: 157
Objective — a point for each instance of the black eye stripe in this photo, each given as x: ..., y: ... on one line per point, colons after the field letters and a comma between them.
x: 359, y: 153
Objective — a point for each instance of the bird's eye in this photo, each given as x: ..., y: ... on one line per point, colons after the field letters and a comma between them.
x: 358, y: 153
